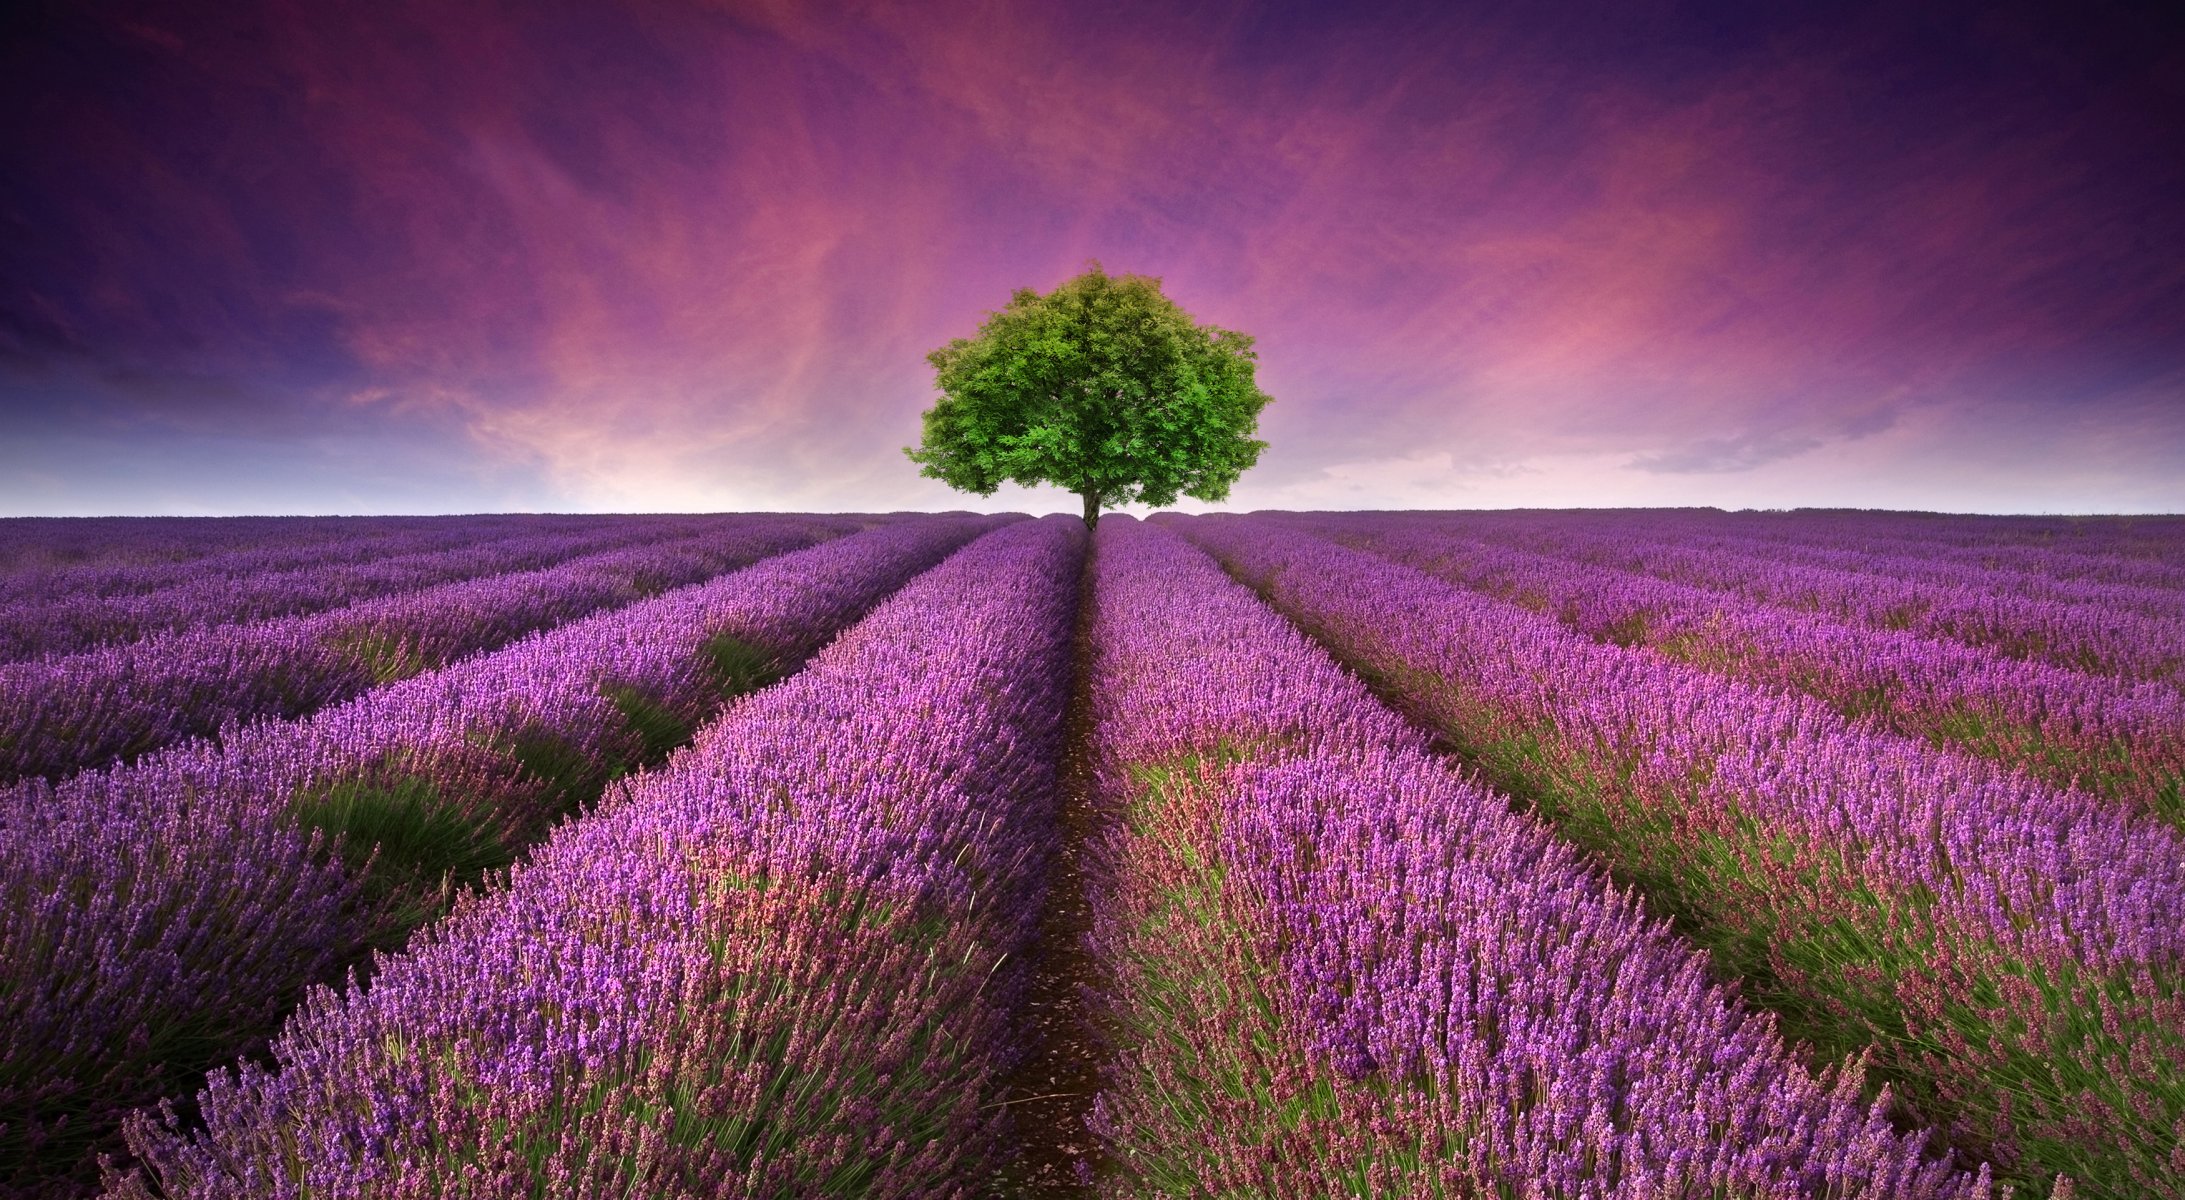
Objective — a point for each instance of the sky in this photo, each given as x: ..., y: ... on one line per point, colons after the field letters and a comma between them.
x: 304, y: 257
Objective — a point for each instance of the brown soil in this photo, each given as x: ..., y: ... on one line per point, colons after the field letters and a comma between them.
x: 1052, y: 1093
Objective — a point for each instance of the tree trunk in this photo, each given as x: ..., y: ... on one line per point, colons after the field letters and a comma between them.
x: 1092, y: 511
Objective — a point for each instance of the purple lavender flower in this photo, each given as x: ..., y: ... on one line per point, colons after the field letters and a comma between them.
x: 783, y: 965
x: 2117, y: 736
x: 1338, y: 967
x: 45, y: 613
x: 158, y: 918
x: 2008, y: 951
x: 61, y: 714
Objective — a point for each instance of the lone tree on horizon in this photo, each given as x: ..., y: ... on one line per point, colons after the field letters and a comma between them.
x: 1102, y: 386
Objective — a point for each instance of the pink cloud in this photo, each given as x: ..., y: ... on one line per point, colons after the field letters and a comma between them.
x: 696, y: 253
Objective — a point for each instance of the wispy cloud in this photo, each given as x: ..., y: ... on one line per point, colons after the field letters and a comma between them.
x: 1711, y: 456
x: 688, y: 255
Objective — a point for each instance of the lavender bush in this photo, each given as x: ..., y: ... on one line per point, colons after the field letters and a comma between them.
x: 2009, y: 952
x: 2041, y: 575
x: 159, y: 918
x: 103, y: 555
x: 331, y: 561
x: 1338, y: 968
x: 2100, y: 636
x: 62, y: 714
x: 781, y: 966
x: 1792, y: 854
x: 2108, y: 735
x: 2139, y: 550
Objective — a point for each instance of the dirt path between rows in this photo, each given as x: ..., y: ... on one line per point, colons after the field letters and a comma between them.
x: 1052, y: 1093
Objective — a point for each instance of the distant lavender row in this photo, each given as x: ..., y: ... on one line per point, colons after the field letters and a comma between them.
x: 158, y: 553
x: 2110, y: 735
x: 2129, y: 552
x: 2104, y: 639
x: 64, y: 714
x: 73, y: 622
x: 783, y: 966
x: 2012, y: 952
x: 1341, y: 969
x: 2124, y: 550
x: 40, y: 546
x: 1875, y: 546
x: 2166, y: 572
x: 2110, y: 539
x: 2031, y: 577
x: 160, y: 918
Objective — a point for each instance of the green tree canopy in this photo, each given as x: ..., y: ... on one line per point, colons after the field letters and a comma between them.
x: 1102, y: 386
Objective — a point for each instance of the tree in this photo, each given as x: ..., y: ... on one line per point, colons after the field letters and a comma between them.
x: 1102, y: 386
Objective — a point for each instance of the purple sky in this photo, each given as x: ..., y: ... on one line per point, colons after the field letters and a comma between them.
x: 390, y: 257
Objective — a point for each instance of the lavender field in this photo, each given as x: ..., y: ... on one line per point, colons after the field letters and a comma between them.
x: 1610, y: 853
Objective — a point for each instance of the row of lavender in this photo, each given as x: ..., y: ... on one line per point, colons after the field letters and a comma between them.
x: 2107, y: 632
x: 161, y: 554
x: 2147, y: 550
x: 74, y: 551
x: 1333, y: 966
x: 65, y: 616
x: 2043, y: 575
x: 785, y: 965
x: 2106, y: 629
x: 1338, y: 967
x: 2009, y: 953
x: 2134, y: 556
x: 2113, y: 736
x: 161, y: 917
x: 60, y: 715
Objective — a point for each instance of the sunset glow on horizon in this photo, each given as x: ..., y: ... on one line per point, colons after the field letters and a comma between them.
x: 435, y: 257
